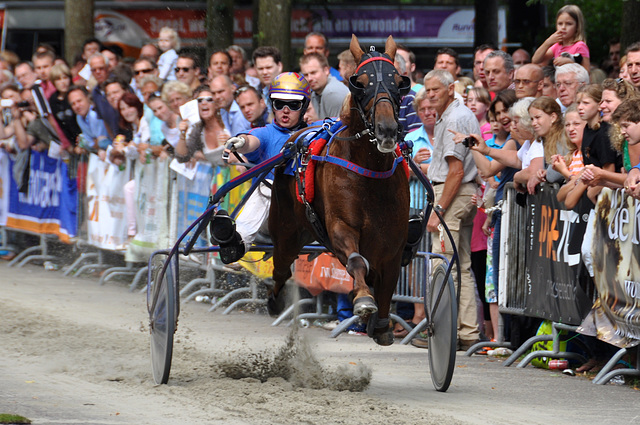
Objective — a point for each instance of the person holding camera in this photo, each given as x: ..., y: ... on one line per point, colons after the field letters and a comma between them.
x: 38, y: 132
x: 453, y: 173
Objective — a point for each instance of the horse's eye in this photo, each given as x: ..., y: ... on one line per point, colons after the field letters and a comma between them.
x: 404, y: 86
x: 353, y: 81
x: 355, y: 86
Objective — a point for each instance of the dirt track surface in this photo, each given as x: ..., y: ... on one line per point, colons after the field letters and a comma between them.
x: 74, y: 352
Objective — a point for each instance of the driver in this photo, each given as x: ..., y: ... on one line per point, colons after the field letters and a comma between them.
x: 289, y: 95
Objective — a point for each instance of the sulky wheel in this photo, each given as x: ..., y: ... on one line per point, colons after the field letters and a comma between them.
x: 442, y: 328
x: 163, y: 319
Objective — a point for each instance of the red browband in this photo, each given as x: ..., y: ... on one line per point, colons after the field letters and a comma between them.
x: 375, y: 58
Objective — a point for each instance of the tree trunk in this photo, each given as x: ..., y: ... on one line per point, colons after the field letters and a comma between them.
x: 78, y: 26
x: 274, y: 27
x: 630, y: 27
x: 486, y: 23
x: 219, y: 24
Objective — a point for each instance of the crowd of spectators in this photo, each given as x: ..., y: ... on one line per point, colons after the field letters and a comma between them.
x: 549, y: 115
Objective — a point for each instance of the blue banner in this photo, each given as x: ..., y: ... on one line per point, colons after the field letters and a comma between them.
x: 193, y: 196
x: 50, y: 206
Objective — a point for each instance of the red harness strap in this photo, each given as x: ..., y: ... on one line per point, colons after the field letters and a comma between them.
x: 308, y: 177
x: 308, y: 180
x: 375, y: 58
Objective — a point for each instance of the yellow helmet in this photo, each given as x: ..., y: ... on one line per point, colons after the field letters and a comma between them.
x: 290, y: 86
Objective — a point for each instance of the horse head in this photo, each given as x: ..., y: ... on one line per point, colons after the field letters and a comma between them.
x: 377, y: 89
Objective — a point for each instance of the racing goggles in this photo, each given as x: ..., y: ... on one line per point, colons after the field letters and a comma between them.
x: 293, y: 105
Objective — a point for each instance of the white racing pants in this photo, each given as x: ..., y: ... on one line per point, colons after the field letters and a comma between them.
x: 253, y: 217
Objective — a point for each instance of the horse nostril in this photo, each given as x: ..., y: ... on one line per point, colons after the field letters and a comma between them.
x: 387, y: 130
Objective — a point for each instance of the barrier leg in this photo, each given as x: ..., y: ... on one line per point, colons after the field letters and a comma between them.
x: 99, y: 265
x: 253, y: 287
x: 500, y: 343
x: 490, y: 344
x: 117, y: 271
x: 524, y: 347
x: 136, y: 279
x: 608, y: 372
x: 550, y: 354
x: 3, y: 238
x: 44, y: 256
x: 290, y: 310
x: 193, y: 283
x: 227, y: 297
x: 555, y: 353
x: 343, y: 326
x: 24, y: 254
x: 317, y: 315
x: 415, y: 332
x: 83, y: 257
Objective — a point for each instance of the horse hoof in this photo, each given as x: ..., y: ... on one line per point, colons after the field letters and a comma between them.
x: 385, y: 338
x: 364, y: 306
x: 275, y: 304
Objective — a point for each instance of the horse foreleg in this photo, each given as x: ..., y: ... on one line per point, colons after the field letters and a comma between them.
x: 346, y: 248
x: 363, y: 303
x: 378, y: 326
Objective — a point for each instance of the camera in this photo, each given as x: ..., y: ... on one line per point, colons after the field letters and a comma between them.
x: 469, y: 141
x: 6, y: 103
x: 24, y: 104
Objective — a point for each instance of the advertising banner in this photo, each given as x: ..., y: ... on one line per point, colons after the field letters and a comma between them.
x: 553, y: 260
x: 152, y: 217
x: 324, y: 273
x: 4, y: 186
x: 193, y: 197
x: 132, y: 28
x: 615, y: 317
x: 50, y: 205
x: 106, y: 209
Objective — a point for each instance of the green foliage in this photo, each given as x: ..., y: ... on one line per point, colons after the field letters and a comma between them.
x: 603, y: 21
x: 6, y: 418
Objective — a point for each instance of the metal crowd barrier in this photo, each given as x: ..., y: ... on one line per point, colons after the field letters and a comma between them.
x: 514, y: 281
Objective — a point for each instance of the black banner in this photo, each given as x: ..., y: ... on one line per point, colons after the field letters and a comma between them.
x: 555, y: 276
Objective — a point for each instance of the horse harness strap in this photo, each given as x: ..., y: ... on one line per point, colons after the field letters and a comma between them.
x: 302, y: 158
x: 358, y: 169
x: 371, y: 59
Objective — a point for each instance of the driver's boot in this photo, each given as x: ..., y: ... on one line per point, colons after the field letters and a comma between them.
x: 223, y: 233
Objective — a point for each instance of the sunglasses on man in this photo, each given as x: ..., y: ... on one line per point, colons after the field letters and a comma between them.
x: 293, y: 105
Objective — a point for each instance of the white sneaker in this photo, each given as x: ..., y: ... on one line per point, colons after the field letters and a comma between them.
x: 331, y: 325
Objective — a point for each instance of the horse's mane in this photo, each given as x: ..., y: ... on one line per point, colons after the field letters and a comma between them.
x: 345, y: 112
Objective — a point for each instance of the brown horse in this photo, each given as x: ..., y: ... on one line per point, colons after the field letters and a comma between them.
x: 366, y: 219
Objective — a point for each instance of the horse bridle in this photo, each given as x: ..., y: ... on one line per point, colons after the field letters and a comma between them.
x: 380, y: 81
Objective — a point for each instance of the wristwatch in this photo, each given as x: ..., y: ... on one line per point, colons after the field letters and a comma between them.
x: 440, y: 209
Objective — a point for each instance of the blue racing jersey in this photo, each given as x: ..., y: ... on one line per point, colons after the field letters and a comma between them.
x: 272, y: 138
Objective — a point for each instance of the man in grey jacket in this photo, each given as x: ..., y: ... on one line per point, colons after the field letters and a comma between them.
x: 328, y: 93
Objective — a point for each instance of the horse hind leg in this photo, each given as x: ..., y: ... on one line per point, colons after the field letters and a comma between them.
x: 363, y: 303
x: 276, y: 300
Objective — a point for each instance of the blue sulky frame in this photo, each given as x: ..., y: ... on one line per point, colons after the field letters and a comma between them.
x: 440, y: 296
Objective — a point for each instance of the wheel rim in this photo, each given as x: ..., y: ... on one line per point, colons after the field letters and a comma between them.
x: 442, y: 338
x: 163, y: 324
